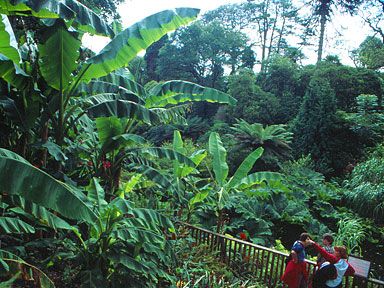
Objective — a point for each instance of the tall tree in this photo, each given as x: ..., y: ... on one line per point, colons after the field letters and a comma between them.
x: 315, y: 122
x: 200, y: 52
x: 370, y: 53
x: 271, y: 21
x: 322, y: 11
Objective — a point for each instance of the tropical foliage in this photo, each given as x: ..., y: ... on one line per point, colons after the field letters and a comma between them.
x: 104, y: 155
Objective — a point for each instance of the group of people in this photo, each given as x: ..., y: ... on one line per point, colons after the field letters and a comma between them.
x: 332, y: 264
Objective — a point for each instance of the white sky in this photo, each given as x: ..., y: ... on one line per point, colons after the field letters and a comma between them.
x: 352, y: 29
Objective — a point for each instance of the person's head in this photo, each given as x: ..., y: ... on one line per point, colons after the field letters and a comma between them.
x: 341, y: 252
x: 304, y: 238
x: 327, y: 239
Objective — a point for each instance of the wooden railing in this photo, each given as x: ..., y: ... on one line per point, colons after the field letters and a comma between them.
x: 257, y: 262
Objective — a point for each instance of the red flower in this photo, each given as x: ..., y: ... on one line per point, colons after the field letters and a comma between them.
x: 243, y: 236
x: 106, y: 164
x: 89, y: 163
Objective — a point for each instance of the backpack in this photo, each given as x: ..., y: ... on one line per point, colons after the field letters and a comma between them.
x: 324, y: 274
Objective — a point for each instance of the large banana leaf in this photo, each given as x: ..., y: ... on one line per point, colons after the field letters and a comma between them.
x: 258, y: 178
x: 178, y: 91
x: 219, y: 155
x: 8, y: 43
x: 164, y: 153
x: 119, y: 79
x: 153, y: 174
x: 123, y: 109
x: 85, y: 19
x: 63, y: 47
x: 35, y: 212
x: 11, y: 73
x: 101, y: 87
x: 14, y: 225
x: 127, y: 44
x: 96, y: 195
x: 245, y: 167
x: 19, y: 177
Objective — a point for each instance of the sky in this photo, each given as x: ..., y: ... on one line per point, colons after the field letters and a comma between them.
x: 344, y: 34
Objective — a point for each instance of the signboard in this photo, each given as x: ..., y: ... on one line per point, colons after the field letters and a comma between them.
x: 361, y: 266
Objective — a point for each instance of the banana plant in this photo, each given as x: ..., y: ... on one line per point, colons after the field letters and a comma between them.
x: 20, y: 178
x: 241, y: 179
x: 188, y: 194
x: 58, y: 80
x: 125, y: 244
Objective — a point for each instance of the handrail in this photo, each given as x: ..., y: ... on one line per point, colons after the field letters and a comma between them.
x: 265, y: 264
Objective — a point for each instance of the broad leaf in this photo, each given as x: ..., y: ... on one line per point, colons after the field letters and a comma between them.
x: 101, y: 88
x: 177, y: 91
x: 127, y: 44
x: 199, y: 197
x: 164, y: 153
x: 14, y: 225
x: 85, y: 19
x: 119, y: 79
x: 154, y: 175
x: 8, y: 43
x: 258, y: 178
x: 219, y: 155
x: 12, y: 74
x: 63, y: 47
x: 123, y: 109
x: 19, y: 177
x: 245, y: 167
x: 36, y: 212
x: 96, y: 194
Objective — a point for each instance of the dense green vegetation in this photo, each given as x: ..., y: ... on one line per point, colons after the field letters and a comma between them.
x: 101, y: 155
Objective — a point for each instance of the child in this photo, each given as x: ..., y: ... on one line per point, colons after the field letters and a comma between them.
x: 327, y: 245
x: 295, y: 274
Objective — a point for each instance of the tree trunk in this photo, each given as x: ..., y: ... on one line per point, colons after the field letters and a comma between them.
x: 323, y: 21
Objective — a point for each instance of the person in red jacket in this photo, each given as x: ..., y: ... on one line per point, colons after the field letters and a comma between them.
x: 339, y: 259
x: 295, y: 274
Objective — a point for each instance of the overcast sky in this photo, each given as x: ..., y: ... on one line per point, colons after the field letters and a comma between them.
x: 352, y: 29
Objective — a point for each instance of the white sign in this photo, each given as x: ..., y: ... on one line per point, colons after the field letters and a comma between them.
x: 361, y: 266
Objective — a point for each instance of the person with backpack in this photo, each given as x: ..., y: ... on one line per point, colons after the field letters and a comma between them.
x: 295, y: 274
x: 339, y: 260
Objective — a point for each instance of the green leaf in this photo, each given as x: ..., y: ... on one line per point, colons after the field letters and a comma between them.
x: 119, y: 79
x: 127, y: 44
x: 55, y: 151
x: 177, y: 143
x: 219, y: 155
x: 14, y: 225
x: 154, y: 175
x: 177, y: 91
x: 96, y: 194
x: 102, y: 87
x: 245, y: 167
x: 123, y: 109
x: 107, y: 128
x: 85, y: 19
x: 199, y: 197
x: 12, y: 74
x: 33, y: 212
x: 8, y: 43
x: 164, y: 153
x: 19, y: 177
x: 258, y: 178
x: 63, y: 47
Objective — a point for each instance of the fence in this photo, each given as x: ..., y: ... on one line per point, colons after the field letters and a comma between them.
x: 260, y: 263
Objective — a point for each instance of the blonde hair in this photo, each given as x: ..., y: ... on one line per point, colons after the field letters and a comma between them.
x: 342, y: 251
